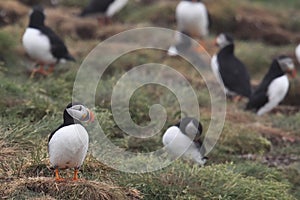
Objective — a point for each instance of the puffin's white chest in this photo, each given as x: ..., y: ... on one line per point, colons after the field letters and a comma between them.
x: 277, y: 90
x: 114, y: 7
x: 38, y: 47
x: 68, y: 146
x: 192, y: 17
x: 215, y: 68
x: 179, y: 144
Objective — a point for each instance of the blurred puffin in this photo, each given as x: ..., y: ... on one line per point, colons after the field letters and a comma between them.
x: 229, y: 70
x: 185, y: 135
x: 42, y: 44
x: 273, y: 87
x: 193, y: 20
x: 297, y: 53
x: 106, y: 8
x: 68, y: 144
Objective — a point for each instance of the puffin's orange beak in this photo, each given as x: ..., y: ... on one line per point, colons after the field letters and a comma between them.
x: 92, y: 116
x: 215, y: 42
x: 89, y: 117
x: 293, y: 73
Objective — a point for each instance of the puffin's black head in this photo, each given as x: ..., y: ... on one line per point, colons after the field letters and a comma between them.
x: 190, y: 126
x: 223, y: 40
x: 286, y: 64
x: 76, y: 113
x: 37, y: 17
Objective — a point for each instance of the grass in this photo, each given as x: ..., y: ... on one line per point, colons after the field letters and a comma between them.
x: 32, y: 109
x: 226, y: 181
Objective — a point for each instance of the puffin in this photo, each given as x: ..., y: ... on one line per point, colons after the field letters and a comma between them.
x: 42, y: 44
x: 193, y: 20
x: 185, y: 135
x: 297, y: 53
x: 68, y: 144
x: 273, y: 87
x: 106, y: 8
x: 229, y: 70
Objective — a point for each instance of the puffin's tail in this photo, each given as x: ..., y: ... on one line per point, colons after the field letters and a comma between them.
x: 70, y: 58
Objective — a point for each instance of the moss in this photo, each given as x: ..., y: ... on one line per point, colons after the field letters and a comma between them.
x: 238, y: 140
x: 289, y: 123
x: 181, y: 181
x: 7, y: 45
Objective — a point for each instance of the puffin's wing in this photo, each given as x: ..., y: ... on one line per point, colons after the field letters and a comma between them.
x: 51, y: 135
x: 257, y: 99
x: 235, y: 76
x: 58, y: 48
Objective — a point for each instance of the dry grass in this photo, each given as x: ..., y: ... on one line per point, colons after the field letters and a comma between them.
x: 26, y: 175
x: 48, y: 188
x: 249, y: 21
x: 11, y: 12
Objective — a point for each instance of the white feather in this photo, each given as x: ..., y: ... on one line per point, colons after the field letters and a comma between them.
x: 297, y: 53
x: 115, y: 7
x: 38, y: 46
x: 179, y: 144
x: 277, y: 90
x: 215, y: 68
x: 192, y: 18
x: 68, y: 146
x: 172, y: 51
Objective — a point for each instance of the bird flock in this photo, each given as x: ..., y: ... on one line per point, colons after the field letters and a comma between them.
x: 68, y: 144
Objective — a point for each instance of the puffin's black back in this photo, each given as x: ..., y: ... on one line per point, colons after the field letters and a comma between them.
x: 259, y: 97
x: 58, y: 48
x: 68, y: 119
x: 96, y: 6
x: 233, y: 72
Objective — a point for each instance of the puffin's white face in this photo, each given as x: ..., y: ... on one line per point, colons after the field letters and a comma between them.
x: 287, y: 65
x: 222, y: 40
x: 80, y: 113
x: 191, y: 130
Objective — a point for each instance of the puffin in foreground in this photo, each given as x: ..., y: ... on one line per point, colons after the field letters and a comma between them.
x: 68, y: 144
x: 193, y: 20
x: 229, y: 70
x: 274, y: 86
x: 184, y: 139
x: 42, y: 44
x: 105, y: 8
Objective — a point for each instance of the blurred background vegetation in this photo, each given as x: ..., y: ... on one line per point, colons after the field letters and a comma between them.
x: 255, y: 157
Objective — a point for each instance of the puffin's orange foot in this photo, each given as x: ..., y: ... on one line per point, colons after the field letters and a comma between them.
x: 57, y: 177
x: 39, y: 70
x: 75, y: 178
x: 237, y: 99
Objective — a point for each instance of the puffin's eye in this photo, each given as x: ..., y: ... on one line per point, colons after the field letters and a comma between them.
x: 80, y: 108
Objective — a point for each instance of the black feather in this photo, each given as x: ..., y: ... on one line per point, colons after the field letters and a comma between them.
x: 233, y: 72
x: 58, y: 48
x: 259, y: 97
x: 96, y: 6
